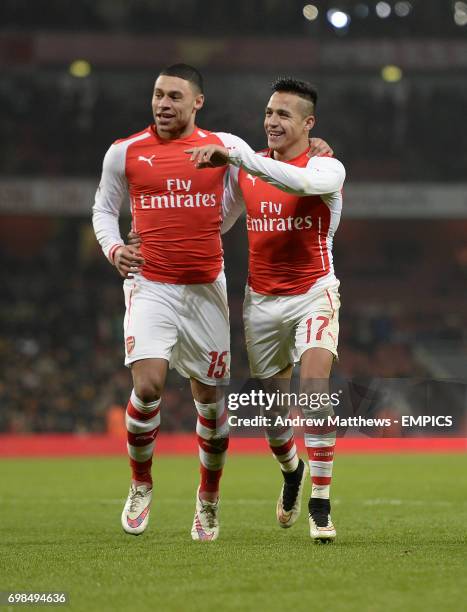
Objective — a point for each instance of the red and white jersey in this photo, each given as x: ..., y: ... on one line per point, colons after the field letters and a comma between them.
x: 293, y: 209
x: 175, y: 208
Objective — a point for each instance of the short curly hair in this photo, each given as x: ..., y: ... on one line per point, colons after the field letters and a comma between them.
x: 185, y: 72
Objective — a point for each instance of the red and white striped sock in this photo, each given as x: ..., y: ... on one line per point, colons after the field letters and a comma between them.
x: 320, y: 442
x: 212, y: 429
x: 282, y: 444
x: 142, y: 424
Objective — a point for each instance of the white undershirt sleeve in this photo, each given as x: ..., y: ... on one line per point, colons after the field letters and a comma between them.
x: 233, y: 204
x: 112, y: 191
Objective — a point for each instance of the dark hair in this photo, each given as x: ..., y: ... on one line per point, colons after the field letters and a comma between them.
x: 300, y: 88
x: 186, y: 72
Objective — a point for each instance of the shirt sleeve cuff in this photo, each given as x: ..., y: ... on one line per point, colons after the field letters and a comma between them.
x: 112, y: 250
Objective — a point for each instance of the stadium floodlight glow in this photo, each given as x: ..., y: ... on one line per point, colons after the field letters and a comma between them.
x: 460, y: 13
x: 460, y: 19
x: 383, y: 9
x: 402, y: 9
x: 80, y: 68
x: 391, y: 73
x: 362, y: 10
x: 338, y: 19
x: 310, y: 12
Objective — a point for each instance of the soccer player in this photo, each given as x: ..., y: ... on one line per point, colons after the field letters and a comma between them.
x: 293, y: 205
x: 175, y: 290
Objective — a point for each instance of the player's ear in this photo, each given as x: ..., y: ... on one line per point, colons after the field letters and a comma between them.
x: 199, y: 101
x: 309, y: 122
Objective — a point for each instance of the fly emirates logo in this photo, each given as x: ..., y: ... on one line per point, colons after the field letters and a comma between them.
x: 178, y: 195
x: 276, y: 224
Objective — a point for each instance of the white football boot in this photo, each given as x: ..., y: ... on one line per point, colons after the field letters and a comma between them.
x: 206, y: 521
x: 135, y: 515
x: 290, y: 499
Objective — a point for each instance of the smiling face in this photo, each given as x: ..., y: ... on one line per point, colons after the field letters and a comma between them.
x: 287, y: 123
x: 175, y: 102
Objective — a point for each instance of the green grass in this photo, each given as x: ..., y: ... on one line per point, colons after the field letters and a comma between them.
x: 400, y: 523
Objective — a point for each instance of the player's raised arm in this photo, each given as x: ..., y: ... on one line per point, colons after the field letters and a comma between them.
x: 215, y: 155
x: 322, y: 175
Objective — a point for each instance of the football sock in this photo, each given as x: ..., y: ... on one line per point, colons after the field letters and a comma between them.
x: 212, y: 430
x: 320, y: 441
x: 282, y: 444
x: 142, y: 424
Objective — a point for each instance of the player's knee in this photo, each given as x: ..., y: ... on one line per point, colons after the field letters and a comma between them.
x: 319, y: 403
x: 206, y: 394
x: 148, y: 389
x: 315, y: 385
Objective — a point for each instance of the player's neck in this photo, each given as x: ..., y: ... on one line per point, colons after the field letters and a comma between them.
x: 175, y: 135
x: 291, y: 152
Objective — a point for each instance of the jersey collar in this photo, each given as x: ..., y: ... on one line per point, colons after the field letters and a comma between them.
x: 190, y: 138
x: 294, y: 160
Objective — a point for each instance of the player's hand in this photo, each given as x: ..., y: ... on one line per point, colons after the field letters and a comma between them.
x: 134, y: 239
x: 128, y: 260
x: 209, y: 156
x: 318, y: 146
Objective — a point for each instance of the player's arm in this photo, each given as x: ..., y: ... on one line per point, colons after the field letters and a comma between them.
x: 111, y: 193
x: 322, y: 175
x: 233, y: 203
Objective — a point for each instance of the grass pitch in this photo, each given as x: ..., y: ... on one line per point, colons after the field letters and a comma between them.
x: 400, y: 523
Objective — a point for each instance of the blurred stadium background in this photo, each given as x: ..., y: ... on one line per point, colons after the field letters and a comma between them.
x: 391, y: 78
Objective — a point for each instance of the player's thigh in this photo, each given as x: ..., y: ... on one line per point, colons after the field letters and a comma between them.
x: 203, y: 351
x: 151, y: 320
x: 315, y: 369
x: 318, y: 327
x: 267, y: 336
